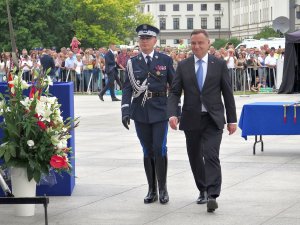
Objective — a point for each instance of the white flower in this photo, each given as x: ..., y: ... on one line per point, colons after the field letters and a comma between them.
x: 24, y: 85
x: 48, y: 80
x: 62, y: 144
x: 55, y: 139
x: 26, y: 102
x: 3, y: 144
x: 2, y: 104
x: 30, y: 143
x: 12, y: 90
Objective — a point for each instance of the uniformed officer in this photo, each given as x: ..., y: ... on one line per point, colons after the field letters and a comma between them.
x: 144, y: 100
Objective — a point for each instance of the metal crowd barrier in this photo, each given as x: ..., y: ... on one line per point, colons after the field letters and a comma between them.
x: 243, y: 78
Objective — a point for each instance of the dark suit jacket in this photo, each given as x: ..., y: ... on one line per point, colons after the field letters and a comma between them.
x: 217, y: 83
x: 48, y: 62
x: 110, y: 63
x: 155, y: 109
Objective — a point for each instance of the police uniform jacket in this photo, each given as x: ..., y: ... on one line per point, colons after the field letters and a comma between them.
x: 159, y: 78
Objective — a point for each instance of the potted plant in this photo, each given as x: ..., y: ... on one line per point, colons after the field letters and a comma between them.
x: 34, y: 133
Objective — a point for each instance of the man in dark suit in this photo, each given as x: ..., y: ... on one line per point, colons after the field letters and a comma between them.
x: 112, y: 74
x: 147, y: 78
x: 48, y: 62
x: 204, y: 79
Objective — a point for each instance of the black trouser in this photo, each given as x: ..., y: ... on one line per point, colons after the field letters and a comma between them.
x: 26, y: 76
x: 203, y: 147
x: 111, y: 76
x: 153, y: 138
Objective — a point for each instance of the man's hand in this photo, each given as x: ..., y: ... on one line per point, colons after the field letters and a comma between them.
x: 231, y: 127
x: 126, y: 121
x: 173, y: 121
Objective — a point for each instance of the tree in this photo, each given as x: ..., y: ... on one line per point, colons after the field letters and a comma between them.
x: 267, y: 32
x: 98, y: 22
x: 221, y: 43
x: 38, y: 23
x: 49, y: 23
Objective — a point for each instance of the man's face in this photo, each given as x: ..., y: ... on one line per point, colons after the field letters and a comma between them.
x: 147, y: 43
x: 200, y: 45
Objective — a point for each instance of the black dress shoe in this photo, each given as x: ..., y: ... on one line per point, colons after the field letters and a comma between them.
x: 101, y: 97
x: 163, y: 196
x: 151, y: 197
x: 202, y: 199
x: 115, y: 99
x: 212, y: 205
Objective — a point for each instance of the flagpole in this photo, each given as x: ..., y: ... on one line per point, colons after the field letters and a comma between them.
x: 12, y: 37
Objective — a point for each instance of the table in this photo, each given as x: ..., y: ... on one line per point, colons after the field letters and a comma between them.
x: 267, y: 118
x: 64, y: 91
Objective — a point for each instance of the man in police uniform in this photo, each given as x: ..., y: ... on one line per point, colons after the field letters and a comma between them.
x: 147, y: 78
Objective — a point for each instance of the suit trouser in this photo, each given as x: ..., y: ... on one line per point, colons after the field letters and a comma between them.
x: 110, y: 84
x: 153, y: 138
x: 203, y: 147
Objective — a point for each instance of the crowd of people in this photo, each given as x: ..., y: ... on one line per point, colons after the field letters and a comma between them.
x: 86, y: 66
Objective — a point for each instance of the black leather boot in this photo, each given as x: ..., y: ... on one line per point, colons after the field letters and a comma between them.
x: 161, y: 164
x: 151, y: 177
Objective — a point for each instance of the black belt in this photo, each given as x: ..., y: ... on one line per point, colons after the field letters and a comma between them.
x: 156, y: 94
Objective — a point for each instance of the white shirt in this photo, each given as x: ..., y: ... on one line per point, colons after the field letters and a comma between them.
x: 151, y: 55
x: 270, y: 60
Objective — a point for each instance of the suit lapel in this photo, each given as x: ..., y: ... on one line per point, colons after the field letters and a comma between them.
x: 154, y: 60
x: 143, y: 63
x: 209, y: 73
x: 191, y: 68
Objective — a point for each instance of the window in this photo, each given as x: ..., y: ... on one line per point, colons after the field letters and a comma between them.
x: 148, y: 7
x: 176, y: 23
x: 176, y: 7
x: 190, y: 23
x: 217, y: 22
x: 162, y: 23
x: 176, y: 41
x: 162, y: 7
x: 204, y: 23
x: 163, y: 41
x: 189, y: 7
x: 217, y: 7
x: 203, y: 7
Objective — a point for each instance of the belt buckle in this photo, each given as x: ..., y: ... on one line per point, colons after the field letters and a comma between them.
x: 150, y: 95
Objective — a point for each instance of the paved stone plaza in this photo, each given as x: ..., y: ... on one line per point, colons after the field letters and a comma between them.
x: 111, y: 183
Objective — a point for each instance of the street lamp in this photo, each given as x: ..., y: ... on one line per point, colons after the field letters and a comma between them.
x: 220, y: 14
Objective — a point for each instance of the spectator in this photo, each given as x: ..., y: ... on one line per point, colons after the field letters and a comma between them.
x: 74, y: 43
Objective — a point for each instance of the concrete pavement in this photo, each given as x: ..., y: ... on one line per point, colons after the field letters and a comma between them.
x: 110, y: 186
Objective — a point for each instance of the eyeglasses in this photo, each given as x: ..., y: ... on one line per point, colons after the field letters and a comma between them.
x: 145, y: 37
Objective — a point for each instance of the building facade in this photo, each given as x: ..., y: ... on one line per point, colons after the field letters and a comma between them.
x: 177, y: 19
x: 250, y: 16
x: 221, y: 18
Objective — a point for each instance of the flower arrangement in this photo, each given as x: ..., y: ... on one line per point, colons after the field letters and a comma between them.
x: 35, y: 134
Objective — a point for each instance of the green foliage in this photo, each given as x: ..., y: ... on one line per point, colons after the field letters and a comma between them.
x: 266, y: 32
x: 221, y: 43
x: 48, y: 23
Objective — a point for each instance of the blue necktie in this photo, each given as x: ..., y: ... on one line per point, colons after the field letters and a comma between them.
x: 199, y: 74
x: 148, y: 57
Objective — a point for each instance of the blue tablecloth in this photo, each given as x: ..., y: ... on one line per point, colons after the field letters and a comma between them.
x: 267, y: 118
x: 65, y: 182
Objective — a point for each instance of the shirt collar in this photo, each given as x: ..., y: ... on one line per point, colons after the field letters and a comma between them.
x: 151, y: 54
x: 205, y: 58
